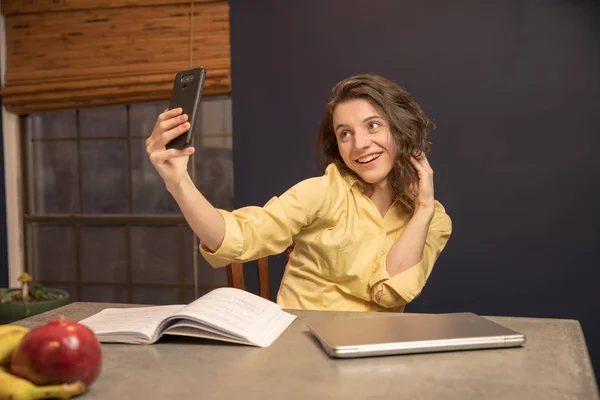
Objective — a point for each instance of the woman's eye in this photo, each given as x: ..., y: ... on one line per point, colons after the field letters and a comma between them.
x: 374, y: 125
x: 344, y: 134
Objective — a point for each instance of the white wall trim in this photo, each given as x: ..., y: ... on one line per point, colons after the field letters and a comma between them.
x: 12, y: 180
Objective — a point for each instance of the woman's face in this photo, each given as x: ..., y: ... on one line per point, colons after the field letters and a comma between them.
x: 364, y: 140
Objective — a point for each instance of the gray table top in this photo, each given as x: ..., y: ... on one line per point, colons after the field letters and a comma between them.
x: 553, y: 364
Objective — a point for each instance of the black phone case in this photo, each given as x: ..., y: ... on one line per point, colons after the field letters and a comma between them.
x: 186, y: 93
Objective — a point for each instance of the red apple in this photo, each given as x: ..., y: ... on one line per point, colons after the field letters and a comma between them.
x: 61, y: 351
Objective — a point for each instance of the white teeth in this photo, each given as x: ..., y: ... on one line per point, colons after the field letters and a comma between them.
x: 368, y: 158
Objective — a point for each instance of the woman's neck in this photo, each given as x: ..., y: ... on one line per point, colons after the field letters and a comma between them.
x: 382, y: 197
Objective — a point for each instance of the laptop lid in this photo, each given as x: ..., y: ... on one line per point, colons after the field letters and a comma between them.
x: 388, y: 334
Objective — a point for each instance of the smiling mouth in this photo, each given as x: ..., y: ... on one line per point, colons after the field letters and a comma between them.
x: 368, y: 159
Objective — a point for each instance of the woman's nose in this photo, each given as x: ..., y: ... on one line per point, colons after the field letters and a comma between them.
x: 361, y: 140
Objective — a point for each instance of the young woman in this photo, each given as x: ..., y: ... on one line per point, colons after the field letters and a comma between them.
x: 366, y: 233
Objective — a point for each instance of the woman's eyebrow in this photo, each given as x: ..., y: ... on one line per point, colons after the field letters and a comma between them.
x: 371, y: 117
x: 341, y: 126
x: 338, y: 126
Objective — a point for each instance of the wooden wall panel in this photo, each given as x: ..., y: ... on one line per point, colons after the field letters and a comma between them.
x: 30, y: 6
x: 74, y: 58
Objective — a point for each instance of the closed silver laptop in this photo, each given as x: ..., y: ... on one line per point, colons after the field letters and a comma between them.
x: 388, y: 334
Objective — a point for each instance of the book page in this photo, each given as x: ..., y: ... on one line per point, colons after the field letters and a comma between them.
x: 273, y: 329
x: 235, y: 311
x: 120, y: 321
x: 190, y: 331
x: 197, y: 326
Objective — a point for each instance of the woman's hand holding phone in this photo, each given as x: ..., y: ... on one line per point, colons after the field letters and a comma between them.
x: 171, y: 164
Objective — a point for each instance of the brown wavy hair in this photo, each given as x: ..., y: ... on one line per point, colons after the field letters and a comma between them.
x: 408, y: 123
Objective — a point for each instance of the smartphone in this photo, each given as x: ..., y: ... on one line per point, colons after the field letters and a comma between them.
x: 186, y: 93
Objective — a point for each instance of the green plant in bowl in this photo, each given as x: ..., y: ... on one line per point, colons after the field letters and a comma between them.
x: 30, y: 299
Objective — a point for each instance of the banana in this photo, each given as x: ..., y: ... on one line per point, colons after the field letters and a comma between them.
x: 11, y: 330
x: 8, y: 328
x: 14, y: 388
x: 10, y: 336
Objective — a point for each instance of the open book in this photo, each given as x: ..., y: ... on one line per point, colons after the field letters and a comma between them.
x: 226, y: 314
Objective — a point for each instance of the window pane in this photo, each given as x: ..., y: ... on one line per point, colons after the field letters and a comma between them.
x: 214, y: 117
x: 108, y: 121
x: 70, y: 288
x: 219, y: 141
x: 189, y: 294
x: 214, y: 175
x: 207, y: 275
x: 142, y: 117
x: 103, y: 254
x: 155, y: 295
x: 55, y: 177
x: 155, y: 255
x: 53, y: 124
x: 105, y: 177
x: 53, y: 253
x: 104, y: 294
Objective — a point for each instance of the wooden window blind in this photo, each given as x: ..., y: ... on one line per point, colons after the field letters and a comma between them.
x: 64, y: 54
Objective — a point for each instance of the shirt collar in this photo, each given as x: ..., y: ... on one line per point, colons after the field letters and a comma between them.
x: 347, y: 177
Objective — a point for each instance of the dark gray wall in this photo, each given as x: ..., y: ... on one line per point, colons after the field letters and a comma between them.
x: 514, y: 87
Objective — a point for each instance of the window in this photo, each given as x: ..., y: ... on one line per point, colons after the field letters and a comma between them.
x: 98, y: 220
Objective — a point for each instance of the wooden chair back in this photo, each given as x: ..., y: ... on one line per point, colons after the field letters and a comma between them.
x: 235, y: 275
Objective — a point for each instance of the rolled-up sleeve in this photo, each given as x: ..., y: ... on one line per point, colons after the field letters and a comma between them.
x: 407, y: 285
x: 253, y: 232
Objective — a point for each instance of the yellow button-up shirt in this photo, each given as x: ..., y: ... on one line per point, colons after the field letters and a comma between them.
x: 340, y: 245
